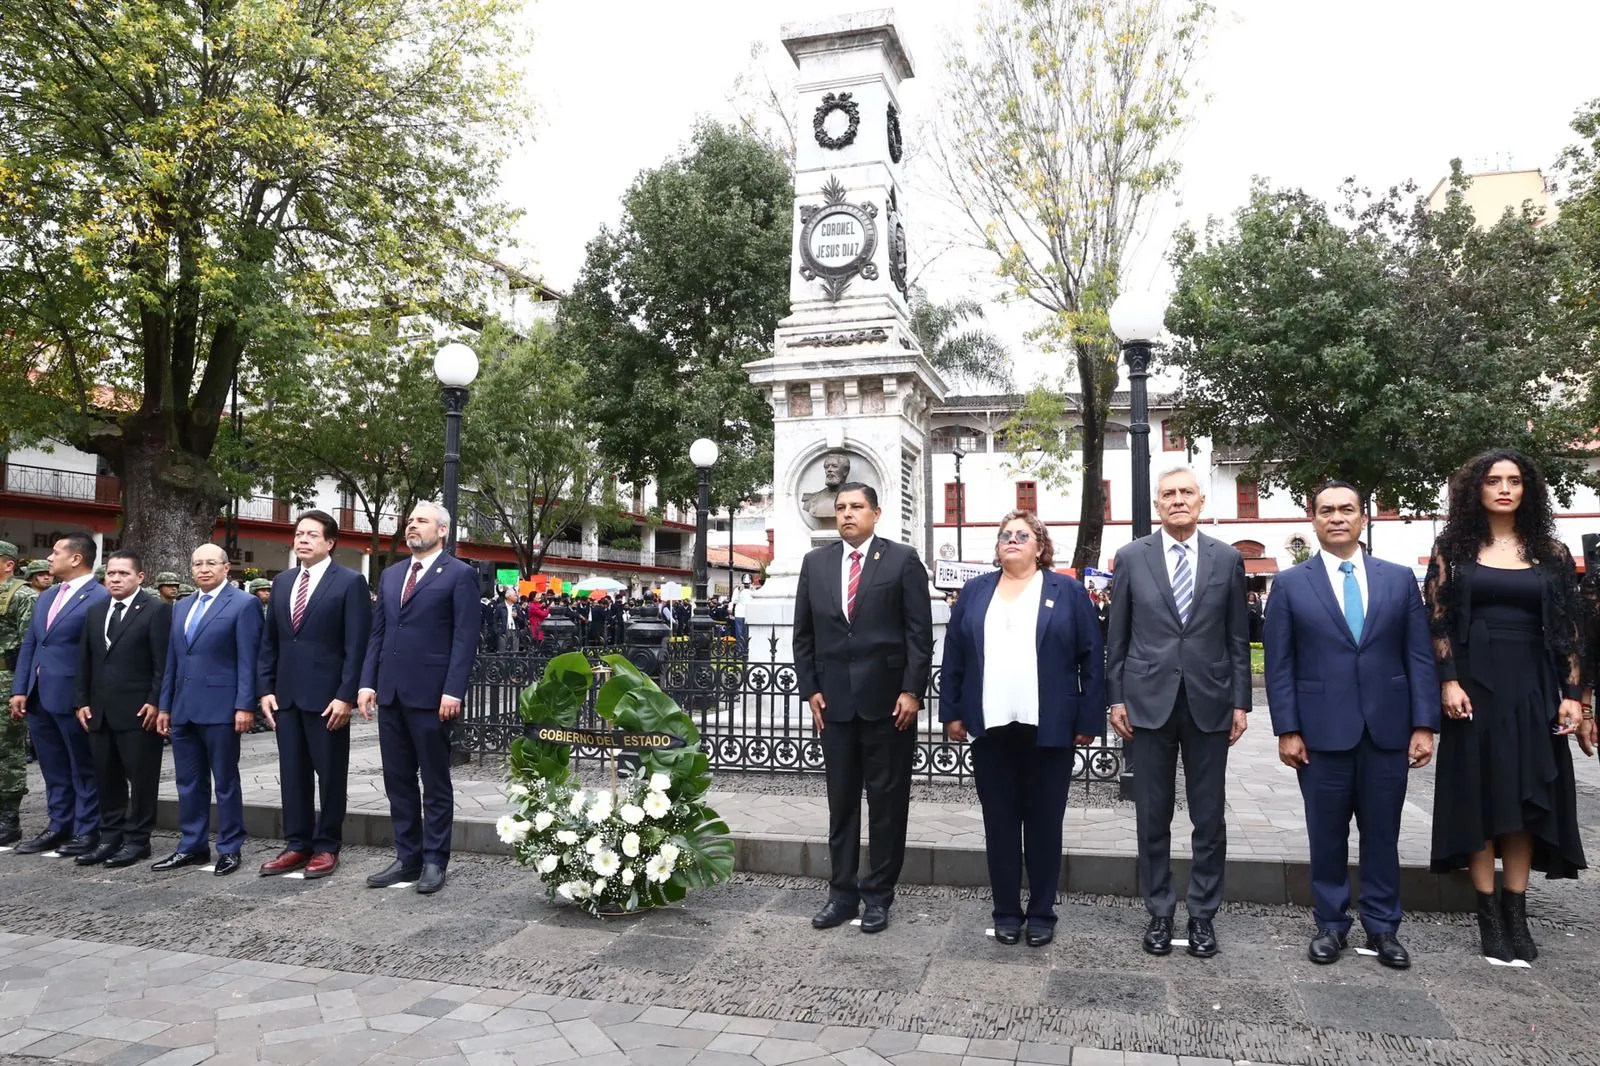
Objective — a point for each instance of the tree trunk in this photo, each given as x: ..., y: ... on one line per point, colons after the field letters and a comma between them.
x: 170, y: 504
x: 1092, y: 514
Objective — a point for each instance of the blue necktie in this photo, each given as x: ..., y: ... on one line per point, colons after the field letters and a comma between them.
x: 194, y: 618
x: 1182, y: 583
x: 1353, y: 616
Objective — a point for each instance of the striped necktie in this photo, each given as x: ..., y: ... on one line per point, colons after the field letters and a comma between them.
x: 302, y: 590
x: 1182, y: 582
x: 855, y: 583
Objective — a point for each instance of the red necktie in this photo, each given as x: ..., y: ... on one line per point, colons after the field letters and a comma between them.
x: 411, y: 583
x: 855, y: 582
x: 300, y: 594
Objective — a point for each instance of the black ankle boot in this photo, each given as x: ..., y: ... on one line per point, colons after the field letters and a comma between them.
x: 10, y: 828
x: 1514, y: 906
x: 1492, y: 928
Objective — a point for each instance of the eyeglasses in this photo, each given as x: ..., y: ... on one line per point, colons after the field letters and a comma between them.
x: 1013, y: 536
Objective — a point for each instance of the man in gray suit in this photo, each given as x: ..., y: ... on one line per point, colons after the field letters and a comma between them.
x: 1178, y: 678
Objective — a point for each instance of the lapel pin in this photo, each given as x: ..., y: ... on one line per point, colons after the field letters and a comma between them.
x: 874, y: 556
x: 1049, y: 603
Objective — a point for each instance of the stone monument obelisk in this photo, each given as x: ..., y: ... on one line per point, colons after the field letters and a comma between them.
x: 849, y: 386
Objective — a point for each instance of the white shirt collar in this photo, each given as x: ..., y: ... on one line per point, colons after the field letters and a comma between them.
x: 1168, y: 540
x: 128, y: 599
x: 73, y: 587
x: 316, y: 570
x: 864, y: 548
x: 427, y: 561
x: 1330, y: 561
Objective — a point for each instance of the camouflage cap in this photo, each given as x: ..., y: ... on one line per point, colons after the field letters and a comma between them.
x: 167, y: 577
x: 186, y: 590
x: 35, y: 568
x: 8, y: 550
x: 257, y: 584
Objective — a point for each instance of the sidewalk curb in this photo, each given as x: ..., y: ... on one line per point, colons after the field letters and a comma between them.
x: 1249, y: 880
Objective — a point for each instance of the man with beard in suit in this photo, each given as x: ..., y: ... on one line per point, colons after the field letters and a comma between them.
x: 308, y: 672
x: 863, y: 648
x: 122, y: 656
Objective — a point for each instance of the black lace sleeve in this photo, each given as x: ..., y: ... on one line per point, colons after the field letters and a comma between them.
x: 1568, y: 627
x: 1589, y: 597
x: 1440, y: 594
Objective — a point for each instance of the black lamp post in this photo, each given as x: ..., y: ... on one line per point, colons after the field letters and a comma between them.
x: 1136, y: 319
x: 961, y: 502
x: 703, y: 453
x: 456, y: 367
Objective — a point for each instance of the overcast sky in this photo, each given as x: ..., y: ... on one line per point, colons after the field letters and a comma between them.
x: 1301, y: 92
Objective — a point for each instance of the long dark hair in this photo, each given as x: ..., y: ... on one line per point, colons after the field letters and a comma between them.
x: 1466, y: 530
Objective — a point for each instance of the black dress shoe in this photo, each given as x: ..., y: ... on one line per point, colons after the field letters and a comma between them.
x: 1326, y: 945
x: 45, y: 841
x: 128, y: 855
x: 432, y: 879
x: 396, y: 873
x: 1391, y: 952
x: 1040, y: 935
x: 80, y: 845
x: 179, y: 859
x: 834, y: 913
x: 1007, y: 934
x: 107, y: 848
x: 1158, y: 936
x: 874, y: 918
x: 227, y: 862
x: 1202, y: 938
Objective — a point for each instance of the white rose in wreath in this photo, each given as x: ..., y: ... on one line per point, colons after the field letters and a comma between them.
x: 627, y: 877
x: 660, y: 782
x: 548, y: 864
x: 593, y: 845
x: 630, y: 845
x: 632, y: 813
x: 670, y: 853
x: 542, y: 821
x: 567, y: 837
x: 600, y: 887
x: 518, y: 791
x: 600, y: 811
x: 580, y: 799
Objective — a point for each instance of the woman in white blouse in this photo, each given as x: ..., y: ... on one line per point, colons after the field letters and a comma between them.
x: 1024, y: 679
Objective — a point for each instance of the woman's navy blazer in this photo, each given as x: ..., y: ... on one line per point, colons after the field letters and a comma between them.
x: 1072, y: 664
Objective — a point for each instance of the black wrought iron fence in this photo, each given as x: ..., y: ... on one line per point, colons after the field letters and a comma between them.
x: 749, y: 712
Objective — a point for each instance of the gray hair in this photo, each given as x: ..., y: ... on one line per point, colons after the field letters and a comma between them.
x: 1181, y: 468
x: 439, y: 513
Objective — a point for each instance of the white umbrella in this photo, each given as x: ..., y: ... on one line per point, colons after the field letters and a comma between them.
x: 600, y: 584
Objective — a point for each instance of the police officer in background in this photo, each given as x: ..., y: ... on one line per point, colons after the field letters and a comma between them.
x: 17, y: 598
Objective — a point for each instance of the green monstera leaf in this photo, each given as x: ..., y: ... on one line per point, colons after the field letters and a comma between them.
x: 558, y: 696
x: 705, y: 854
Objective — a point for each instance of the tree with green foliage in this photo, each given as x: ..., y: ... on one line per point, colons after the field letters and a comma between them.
x: 1056, y: 142
x: 363, y: 408
x: 181, y: 182
x: 528, y: 464
x: 672, y: 303
x: 959, y: 351
x: 1579, y: 228
x: 1378, y: 342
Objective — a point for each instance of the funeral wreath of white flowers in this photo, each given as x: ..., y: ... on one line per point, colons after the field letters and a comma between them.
x: 644, y: 844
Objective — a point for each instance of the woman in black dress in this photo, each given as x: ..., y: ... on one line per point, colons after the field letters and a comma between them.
x: 1507, y: 626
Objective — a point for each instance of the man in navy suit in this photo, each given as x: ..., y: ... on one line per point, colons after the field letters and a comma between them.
x: 312, y: 647
x: 208, y: 699
x: 45, y: 691
x: 1355, y: 700
x: 424, y: 636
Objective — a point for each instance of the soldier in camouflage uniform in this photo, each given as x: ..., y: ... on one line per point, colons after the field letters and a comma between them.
x: 37, y: 575
x: 17, y: 598
x: 167, y: 586
x: 257, y: 586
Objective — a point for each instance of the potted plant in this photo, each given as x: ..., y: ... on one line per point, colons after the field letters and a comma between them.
x: 641, y: 841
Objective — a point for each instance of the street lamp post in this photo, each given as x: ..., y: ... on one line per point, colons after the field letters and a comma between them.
x: 1136, y: 319
x: 961, y: 503
x: 456, y: 367
x: 703, y: 454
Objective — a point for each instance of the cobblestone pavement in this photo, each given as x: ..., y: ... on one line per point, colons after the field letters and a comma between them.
x: 131, y: 966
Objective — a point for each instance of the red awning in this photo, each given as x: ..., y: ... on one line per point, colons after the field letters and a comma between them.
x: 1261, y: 566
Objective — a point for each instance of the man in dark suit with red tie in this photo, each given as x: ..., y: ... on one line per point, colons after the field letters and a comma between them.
x: 863, y: 650
x: 46, y: 690
x: 123, y: 655
x: 309, y: 670
x: 424, y: 636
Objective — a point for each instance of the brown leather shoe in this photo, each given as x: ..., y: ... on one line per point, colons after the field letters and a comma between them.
x: 322, y: 864
x: 286, y: 862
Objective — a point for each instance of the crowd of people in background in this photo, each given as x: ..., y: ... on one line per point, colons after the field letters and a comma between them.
x: 513, y: 623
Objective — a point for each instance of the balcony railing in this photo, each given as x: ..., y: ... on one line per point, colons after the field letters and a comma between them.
x: 61, y: 484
